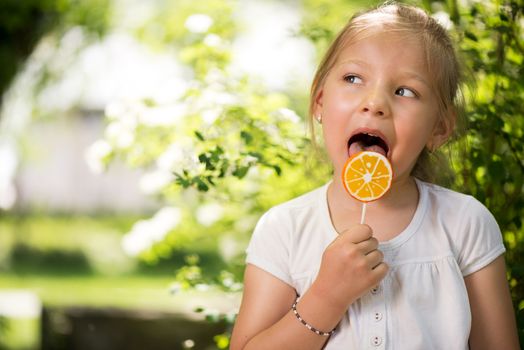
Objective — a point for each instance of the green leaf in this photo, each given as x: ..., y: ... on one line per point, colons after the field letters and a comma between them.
x: 182, y: 180
x: 470, y: 36
x: 199, y: 136
x: 201, y: 185
x: 213, y: 318
x: 241, y: 171
x: 202, y: 157
x: 259, y: 156
x: 223, y: 168
x: 246, y: 137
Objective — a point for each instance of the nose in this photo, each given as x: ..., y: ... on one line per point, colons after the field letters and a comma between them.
x: 376, y: 104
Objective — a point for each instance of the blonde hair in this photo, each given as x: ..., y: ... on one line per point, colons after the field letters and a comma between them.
x: 441, y: 61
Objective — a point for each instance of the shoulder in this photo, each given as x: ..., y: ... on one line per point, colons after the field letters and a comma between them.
x: 275, y: 237
x: 452, y: 204
x: 295, y: 209
x: 470, y: 227
x: 285, y: 223
x: 444, y: 194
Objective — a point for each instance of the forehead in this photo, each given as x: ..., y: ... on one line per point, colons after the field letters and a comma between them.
x: 378, y: 46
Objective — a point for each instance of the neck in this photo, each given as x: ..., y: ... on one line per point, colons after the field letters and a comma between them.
x: 403, y: 192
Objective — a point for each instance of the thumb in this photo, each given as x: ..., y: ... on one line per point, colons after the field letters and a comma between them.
x: 357, y: 233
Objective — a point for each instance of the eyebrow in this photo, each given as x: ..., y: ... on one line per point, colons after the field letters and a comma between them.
x: 407, y: 74
x: 418, y: 77
x: 357, y: 62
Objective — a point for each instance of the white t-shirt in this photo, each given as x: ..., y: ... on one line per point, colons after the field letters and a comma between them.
x: 422, y: 303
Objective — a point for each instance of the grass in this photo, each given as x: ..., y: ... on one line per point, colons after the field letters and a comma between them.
x: 97, y: 291
x: 21, y: 334
x: 78, y: 261
x: 116, y: 291
x: 128, y: 292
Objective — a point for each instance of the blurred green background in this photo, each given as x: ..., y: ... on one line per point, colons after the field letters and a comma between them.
x: 141, y: 140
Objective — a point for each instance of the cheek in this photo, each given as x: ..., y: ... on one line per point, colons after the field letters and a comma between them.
x: 336, y: 114
x: 341, y: 109
x: 415, y: 126
x: 338, y: 103
x: 411, y: 138
x: 414, y: 135
x: 334, y: 136
x: 335, y: 140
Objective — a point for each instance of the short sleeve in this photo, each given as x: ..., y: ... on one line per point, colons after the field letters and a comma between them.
x: 269, y: 246
x: 480, y: 236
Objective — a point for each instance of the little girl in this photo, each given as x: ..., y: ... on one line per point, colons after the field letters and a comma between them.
x: 427, y: 271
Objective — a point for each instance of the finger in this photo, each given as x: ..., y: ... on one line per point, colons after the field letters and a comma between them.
x: 381, y: 270
x: 378, y: 274
x: 357, y: 233
x: 368, y: 245
x: 375, y: 258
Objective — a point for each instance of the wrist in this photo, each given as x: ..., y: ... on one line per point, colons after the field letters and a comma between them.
x: 309, y: 326
x: 319, y: 310
x: 331, y: 301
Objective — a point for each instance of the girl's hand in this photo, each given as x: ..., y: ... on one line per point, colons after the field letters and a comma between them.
x: 351, y: 266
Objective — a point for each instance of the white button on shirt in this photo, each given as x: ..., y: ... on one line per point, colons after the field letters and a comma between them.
x: 422, y: 303
x: 372, y: 308
x: 376, y: 341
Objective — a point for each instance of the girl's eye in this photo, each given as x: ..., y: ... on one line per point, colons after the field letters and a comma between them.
x: 405, y: 92
x: 352, y: 79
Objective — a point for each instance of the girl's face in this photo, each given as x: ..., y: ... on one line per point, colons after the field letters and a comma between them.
x: 378, y: 97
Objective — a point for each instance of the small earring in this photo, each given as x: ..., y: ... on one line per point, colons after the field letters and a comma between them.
x: 319, y: 118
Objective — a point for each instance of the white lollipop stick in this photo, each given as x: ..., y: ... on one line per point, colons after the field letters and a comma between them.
x: 363, y: 213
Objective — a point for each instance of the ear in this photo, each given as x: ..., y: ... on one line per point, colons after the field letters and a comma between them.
x: 317, y: 107
x: 443, y: 130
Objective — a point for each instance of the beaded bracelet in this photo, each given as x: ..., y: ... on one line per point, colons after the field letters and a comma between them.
x: 308, y: 326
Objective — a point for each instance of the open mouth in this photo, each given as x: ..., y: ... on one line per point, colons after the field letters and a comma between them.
x: 367, y: 142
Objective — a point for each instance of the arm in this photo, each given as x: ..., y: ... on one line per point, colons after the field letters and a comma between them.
x: 265, y: 319
x: 351, y: 266
x: 493, y: 322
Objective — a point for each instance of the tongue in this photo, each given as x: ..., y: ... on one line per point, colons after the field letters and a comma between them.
x: 356, y: 147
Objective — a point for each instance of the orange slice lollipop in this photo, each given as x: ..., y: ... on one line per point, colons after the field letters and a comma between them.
x: 367, y: 176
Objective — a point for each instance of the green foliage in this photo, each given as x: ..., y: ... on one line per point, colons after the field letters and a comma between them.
x: 26, y: 259
x: 3, y: 331
x: 191, y: 276
x: 23, y: 23
x: 62, y: 246
x: 491, y: 167
x: 222, y: 341
x: 225, y: 142
x: 323, y: 19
